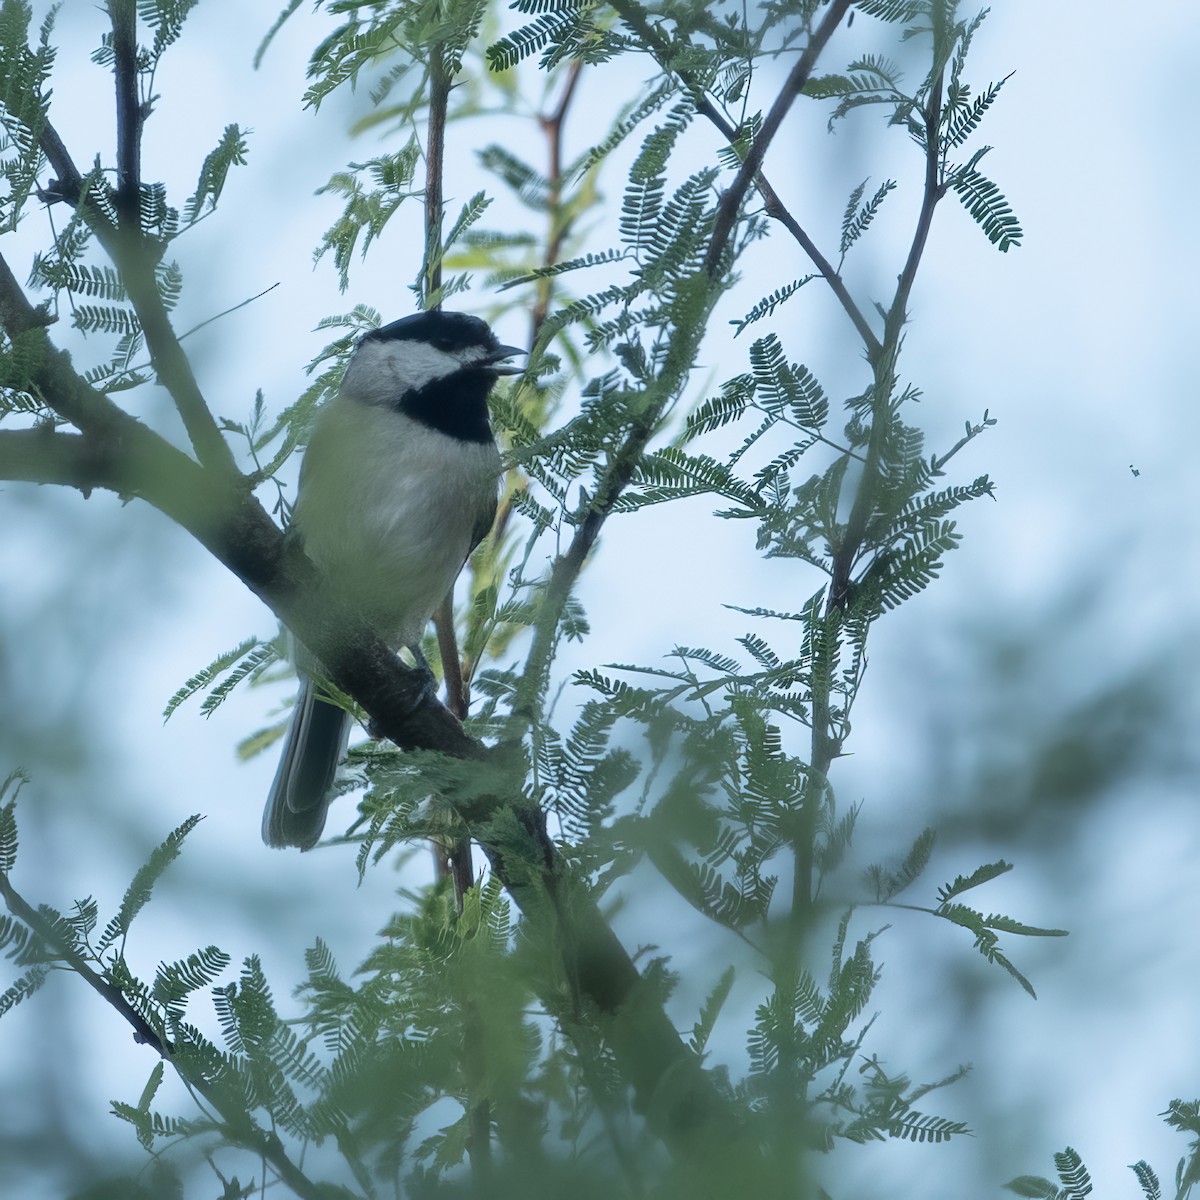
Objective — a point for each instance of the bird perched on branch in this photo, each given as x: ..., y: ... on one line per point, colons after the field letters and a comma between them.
x: 397, y: 487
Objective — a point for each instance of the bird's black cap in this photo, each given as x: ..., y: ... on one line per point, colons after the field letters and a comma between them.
x: 445, y: 330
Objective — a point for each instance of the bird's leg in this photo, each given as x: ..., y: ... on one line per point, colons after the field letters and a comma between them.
x: 428, y: 682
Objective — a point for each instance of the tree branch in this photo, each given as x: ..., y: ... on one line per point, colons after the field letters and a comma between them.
x: 132, y: 260
x: 123, y: 15
x: 435, y: 152
x: 933, y: 192
x: 559, y: 222
x: 828, y: 271
x: 240, y: 1127
x: 49, y: 456
x: 731, y: 201
x: 825, y: 746
x: 633, y: 16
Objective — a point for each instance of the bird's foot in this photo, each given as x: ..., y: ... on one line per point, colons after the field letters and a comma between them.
x: 427, y: 692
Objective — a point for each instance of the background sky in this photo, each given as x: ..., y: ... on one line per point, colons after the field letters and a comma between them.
x: 1035, y: 705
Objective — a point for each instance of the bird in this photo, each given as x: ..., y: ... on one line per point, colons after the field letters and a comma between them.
x: 398, y: 485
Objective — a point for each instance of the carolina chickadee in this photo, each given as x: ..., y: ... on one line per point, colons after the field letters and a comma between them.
x: 397, y: 487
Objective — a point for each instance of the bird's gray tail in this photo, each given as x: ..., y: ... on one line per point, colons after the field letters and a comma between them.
x: 299, y: 799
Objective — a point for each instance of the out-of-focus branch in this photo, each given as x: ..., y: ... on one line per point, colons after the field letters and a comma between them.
x: 552, y: 125
x: 240, y: 1127
x: 50, y: 456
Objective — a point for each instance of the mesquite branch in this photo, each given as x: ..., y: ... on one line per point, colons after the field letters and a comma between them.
x: 666, y: 56
x: 238, y: 1125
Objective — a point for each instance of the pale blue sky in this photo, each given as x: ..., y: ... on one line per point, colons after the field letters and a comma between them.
x: 1075, y: 589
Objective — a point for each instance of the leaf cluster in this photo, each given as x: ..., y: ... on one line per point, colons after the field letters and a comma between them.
x: 463, y: 1032
x: 24, y: 98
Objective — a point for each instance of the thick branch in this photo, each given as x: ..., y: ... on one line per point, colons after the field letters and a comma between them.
x: 123, y: 14
x: 49, y: 456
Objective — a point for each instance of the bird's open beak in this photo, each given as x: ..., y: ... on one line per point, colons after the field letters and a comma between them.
x: 495, y: 360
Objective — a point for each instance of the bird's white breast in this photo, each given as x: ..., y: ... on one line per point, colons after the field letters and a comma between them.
x: 388, y: 508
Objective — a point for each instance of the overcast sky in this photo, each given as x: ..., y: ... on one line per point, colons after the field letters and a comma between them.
x: 1036, y: 705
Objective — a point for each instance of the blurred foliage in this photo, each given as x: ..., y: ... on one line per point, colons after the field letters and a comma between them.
x: 473, y: 1052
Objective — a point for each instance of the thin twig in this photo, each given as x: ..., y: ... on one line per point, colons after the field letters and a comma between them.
x: 435, y: 152
x: 131, y: 258
x: 731, y: 202
x: 560, y: 225
x: 825, y: 745
x: 217, y: 316
x: 851, y: 545
x: 633, y: 15
x: 829, y: 272
x: 934, y: 190
x: 620, y: 471
x: 453, y: 859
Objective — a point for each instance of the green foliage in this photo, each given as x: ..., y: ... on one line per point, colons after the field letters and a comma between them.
x: 1151, y: 1189
x: 963, y: 114
x: 8, y: 820
x: 249, y: 660
x: 895, y: 10
x: 768, y: 304
x: 473, y: 1051
x: 1073, y: 1177
x: 562, y: 30
x: 230, y: 151
x: 367, y: 212
x: 985, y: 202
x: 858, y: 216
x: 22, y: 988
x: 24, y: 72
x: 137, y: 895
x: 166, y: 18
x: 711, y: 1010
x: 887, y: 883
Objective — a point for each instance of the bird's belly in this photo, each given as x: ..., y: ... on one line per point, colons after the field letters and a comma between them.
x: 398, y: 525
